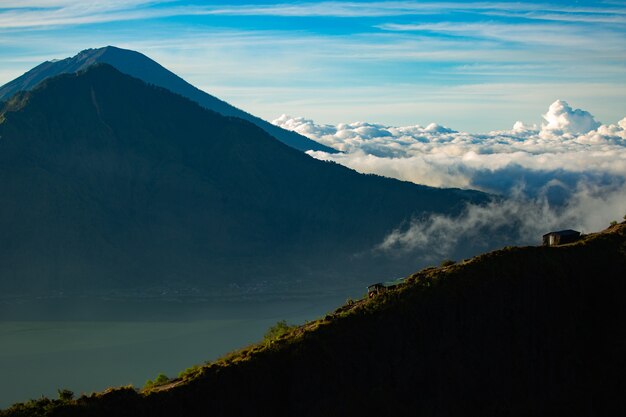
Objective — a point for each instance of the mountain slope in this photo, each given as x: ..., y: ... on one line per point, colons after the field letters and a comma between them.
x: 109, y: 182
x: 520, y: 331
x: 140, y: 66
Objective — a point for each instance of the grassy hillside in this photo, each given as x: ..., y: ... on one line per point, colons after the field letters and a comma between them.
x: 517, y: 332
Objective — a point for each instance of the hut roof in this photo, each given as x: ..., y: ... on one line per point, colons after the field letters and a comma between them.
x: 567, y: 232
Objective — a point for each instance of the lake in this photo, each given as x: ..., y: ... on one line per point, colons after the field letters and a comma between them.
x: 88, y: 345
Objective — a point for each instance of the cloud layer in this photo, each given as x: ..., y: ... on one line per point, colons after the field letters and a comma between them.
x: 568, y: 146
x: 568, y: 172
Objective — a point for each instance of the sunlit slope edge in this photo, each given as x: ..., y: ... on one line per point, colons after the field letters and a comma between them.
x: 108, y: 182
x: 140, y: 66
x: 520, y: 331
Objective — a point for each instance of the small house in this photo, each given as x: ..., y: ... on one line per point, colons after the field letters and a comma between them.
x: 374, y: 289
x: 561, y: 237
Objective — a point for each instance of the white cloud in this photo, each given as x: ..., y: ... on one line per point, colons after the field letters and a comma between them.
x: 568, y: 173
x: 570, y: 146
x: 562, y: 119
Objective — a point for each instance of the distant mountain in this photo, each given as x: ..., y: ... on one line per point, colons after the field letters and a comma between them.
x: 533, y: 331
x: 108, y: 182
x: 140, y: 66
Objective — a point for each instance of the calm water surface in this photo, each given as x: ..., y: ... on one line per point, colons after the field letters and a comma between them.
x: 37, y: 357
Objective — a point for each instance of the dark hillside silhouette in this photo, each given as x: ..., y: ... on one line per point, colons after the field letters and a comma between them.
x: 140, y: 66
x: 532, y: 331
x: 110, y: 182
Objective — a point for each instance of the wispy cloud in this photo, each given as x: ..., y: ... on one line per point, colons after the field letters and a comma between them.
x: 32, y: 13
x: 547, y: 34
x: 517, y: 220
x: 38, y: 14
x: 614, y: 16
x: 398, y: 8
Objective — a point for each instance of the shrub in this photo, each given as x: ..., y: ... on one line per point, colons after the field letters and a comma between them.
x: 613, y: 223
x: 279, y: 329
x: 65, y: 394
x: 447, y: 262
x: 161, y: 379
x: 189, y: 372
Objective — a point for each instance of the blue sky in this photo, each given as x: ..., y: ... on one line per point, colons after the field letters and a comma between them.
x: 473, y: 66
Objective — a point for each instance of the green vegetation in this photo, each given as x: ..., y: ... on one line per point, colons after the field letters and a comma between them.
x: 161, y: 379
x: 277, y: 331
x: 190, y: 372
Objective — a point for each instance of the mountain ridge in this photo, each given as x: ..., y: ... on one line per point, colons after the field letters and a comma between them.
x: 121, y: 179
x: 140, y: 66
